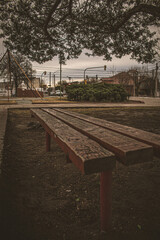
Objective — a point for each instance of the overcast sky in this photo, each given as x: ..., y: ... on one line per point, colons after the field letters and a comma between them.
x: 75, y: 68
x: 82, y: 62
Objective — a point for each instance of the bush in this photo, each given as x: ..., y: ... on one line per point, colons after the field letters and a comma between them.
x: 96, y: 92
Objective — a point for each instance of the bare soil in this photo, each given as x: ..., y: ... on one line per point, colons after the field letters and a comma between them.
x: 44, y: 198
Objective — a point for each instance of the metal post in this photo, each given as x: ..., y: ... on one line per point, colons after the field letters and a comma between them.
x: 41, y: 78
x: 106, y: 200
x: 48, y: 142
x: 54, y: 83
x: 60, y: 76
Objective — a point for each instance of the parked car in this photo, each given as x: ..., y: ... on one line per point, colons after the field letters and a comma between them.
x: 58, y: 93
x: 3, y: 92
x: 52, y: 93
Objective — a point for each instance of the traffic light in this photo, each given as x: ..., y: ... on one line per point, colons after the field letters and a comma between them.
x: 104, y: 67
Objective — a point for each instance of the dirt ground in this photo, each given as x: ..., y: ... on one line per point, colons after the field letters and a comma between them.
x: 44, y: 198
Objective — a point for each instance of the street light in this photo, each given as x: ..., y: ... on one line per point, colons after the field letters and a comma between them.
x: 54, y: 80
x: 41, y: 78
x: 104, y: 67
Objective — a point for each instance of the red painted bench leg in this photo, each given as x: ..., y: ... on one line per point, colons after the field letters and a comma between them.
x: 48, y: 142
x: 106, y: 200
x: 68, y: 159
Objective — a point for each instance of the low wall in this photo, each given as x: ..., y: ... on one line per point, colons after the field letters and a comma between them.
x: 28, y: 93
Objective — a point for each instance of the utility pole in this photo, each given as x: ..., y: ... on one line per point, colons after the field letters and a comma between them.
x: 134, y: 75
x: 50, y: 79
x: 54, y: 81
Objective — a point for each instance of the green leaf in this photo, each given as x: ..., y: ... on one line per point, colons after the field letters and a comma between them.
x: 139, y: 226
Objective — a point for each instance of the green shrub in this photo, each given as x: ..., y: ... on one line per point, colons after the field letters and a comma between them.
x: 96, y: 92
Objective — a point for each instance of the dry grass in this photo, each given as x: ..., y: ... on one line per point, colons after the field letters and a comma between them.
x: 51, y: 100
x: 6, y: 102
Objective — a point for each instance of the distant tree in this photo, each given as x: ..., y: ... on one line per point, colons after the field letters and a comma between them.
x: 44, y: 29
x: 63, y: 85
x: 16, y: 73
x: 144, y: 81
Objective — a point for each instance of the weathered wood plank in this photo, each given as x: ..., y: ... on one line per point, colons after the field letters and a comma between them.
x: 127, y: 150
x: 85, y: 153
x: 137, y: 134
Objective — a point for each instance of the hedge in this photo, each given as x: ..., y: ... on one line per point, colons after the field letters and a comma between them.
x: 96, y: 92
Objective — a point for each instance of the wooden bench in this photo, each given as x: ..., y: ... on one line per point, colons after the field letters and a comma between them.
x: 94, y: 145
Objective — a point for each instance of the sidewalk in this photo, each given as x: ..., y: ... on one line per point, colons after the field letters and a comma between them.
x: 27, y: 103
x: 79, y: 105
x: 149, y: 101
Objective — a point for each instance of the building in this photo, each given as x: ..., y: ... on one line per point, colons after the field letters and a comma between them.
x: 36, y: 83
x: 124, y: 78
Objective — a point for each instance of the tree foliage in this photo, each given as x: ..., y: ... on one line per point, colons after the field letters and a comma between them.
x: 44, y: 29
x: 61, y: 85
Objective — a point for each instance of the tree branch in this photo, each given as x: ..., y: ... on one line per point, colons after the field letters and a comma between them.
x: 70, y: 7
x: 53, y: 9
x: 144, y: 8
x: 60, y: 20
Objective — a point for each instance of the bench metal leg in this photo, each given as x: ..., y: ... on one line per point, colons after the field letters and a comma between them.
x: 106, y: 200
x: 48, y: 142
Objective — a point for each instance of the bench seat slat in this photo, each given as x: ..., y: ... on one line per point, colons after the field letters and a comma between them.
x: 127, y: 150
x: 137, y: 134
x: 86, y: 154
